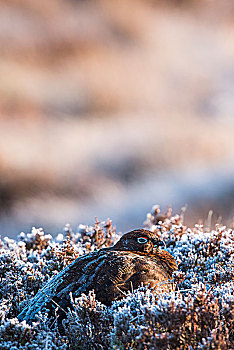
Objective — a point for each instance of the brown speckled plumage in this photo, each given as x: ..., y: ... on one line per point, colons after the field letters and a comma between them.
x: 110, y: 272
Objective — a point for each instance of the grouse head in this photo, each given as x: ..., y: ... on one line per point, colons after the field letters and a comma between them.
x: 140, y: 241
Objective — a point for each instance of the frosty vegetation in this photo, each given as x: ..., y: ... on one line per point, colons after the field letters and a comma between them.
x: 198, y: 315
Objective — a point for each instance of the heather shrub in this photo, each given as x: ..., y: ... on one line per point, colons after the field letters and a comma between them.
x: 197, y: 315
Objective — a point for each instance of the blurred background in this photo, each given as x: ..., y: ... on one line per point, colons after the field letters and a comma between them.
x: 108, y: 107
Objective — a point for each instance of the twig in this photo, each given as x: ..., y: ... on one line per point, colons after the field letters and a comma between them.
x: 55, y: 302
x: 122, y: 291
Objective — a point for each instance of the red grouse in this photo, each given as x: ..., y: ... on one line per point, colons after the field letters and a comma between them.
x: 136, y: 259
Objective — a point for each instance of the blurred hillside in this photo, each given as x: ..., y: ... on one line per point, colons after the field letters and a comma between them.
x: 108, y: 107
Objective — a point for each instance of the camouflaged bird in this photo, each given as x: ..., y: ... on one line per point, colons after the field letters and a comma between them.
x: 135, y: 260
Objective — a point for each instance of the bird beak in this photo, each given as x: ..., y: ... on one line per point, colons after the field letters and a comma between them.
x: 158, y: 244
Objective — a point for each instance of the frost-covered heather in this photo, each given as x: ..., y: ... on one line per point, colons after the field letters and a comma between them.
x: 198, y: 315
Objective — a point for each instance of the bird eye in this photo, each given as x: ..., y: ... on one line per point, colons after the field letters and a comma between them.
x: 142, y: 240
